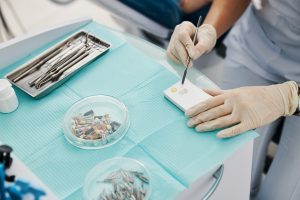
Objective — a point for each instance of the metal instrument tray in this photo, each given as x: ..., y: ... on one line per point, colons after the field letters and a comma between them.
x: 89, y: 48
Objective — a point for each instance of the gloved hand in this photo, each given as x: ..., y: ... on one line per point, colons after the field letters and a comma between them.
x: 243, y: 108
x: 181, y: 44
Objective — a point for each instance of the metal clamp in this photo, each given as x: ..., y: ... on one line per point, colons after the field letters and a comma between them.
x: 218, y: 176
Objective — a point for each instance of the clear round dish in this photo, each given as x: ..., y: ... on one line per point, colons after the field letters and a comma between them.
x: 118, y: 178
x: 96, y: 122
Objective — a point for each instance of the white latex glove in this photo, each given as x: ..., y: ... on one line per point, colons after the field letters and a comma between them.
x: 181, y: 44
x: 243, y: 108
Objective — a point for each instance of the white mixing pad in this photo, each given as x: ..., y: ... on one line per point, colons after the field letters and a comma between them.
x: 185, y: 96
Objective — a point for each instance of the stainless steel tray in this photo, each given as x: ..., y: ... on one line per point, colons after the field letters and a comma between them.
x: 92, y: 47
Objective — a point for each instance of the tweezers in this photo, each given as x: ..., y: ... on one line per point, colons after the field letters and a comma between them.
x: 55, y: 74
x: 189, y: 58
x: 37, y: 65
x: 60, y: 62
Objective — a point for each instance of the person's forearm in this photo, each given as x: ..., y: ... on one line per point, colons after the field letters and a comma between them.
x: 224, y: 13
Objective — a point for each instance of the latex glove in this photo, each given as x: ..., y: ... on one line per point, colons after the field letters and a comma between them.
x: 181, y: 45
x: 243, y: 108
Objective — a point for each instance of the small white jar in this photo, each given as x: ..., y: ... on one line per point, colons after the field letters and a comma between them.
x: 8, y: 99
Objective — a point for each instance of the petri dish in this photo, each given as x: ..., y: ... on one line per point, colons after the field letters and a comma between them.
x: 96, y: 122
x: 118, y: 178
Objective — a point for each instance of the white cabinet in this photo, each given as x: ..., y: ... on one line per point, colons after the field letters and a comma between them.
x: 234, y: 184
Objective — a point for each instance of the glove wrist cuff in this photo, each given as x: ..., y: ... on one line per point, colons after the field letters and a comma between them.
x: 289, y: 91
x: 211, y: 32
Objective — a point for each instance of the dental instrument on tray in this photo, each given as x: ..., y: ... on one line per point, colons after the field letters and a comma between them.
x: 54, y: 66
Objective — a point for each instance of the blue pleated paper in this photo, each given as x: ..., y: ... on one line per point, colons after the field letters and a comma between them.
x: 158, y: 136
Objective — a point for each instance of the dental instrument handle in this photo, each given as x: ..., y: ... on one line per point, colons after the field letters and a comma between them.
x: 189, y: 58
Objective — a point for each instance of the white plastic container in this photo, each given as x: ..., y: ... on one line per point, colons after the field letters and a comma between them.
x: 8, y: 99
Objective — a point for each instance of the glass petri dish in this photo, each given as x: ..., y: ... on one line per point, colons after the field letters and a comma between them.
x: 96, y: 122
x: 116, y: 178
